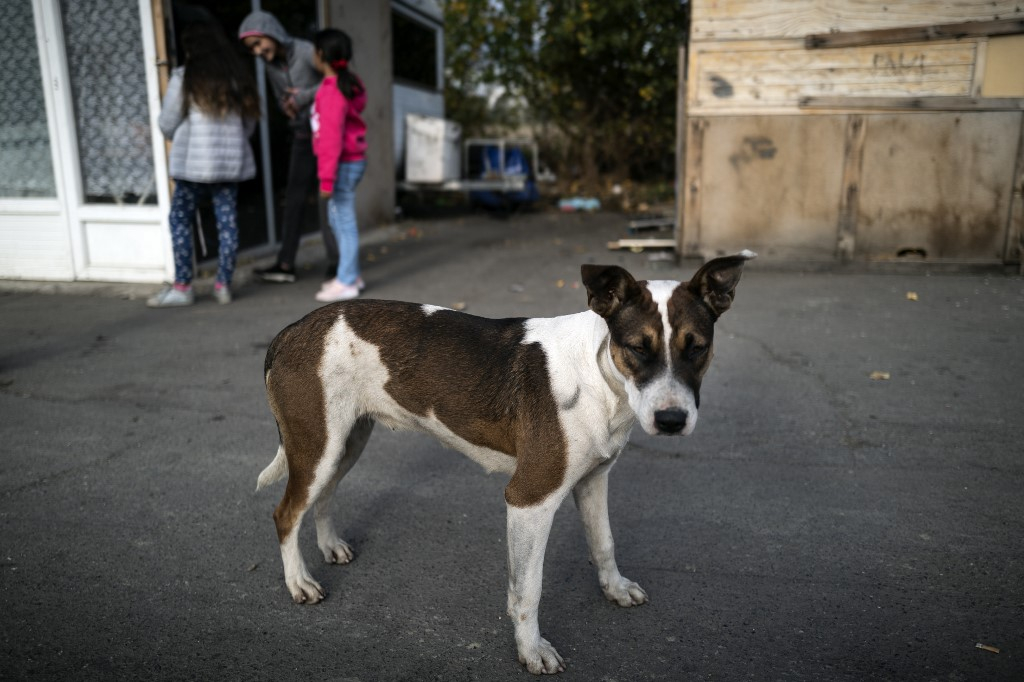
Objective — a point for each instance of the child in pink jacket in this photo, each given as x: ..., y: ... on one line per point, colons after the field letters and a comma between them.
x: 339, y: 142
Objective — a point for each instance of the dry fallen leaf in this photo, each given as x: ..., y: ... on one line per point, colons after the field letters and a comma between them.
x: 986, y: 647
x: 879, y: 376
x: 911, y: 295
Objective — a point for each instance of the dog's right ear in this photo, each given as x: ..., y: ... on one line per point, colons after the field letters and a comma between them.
x: 608, y: 287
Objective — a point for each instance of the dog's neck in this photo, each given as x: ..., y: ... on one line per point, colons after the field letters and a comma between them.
x: 621, y: 415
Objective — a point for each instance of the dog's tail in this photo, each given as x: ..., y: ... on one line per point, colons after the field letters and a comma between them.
x: 277, y: 470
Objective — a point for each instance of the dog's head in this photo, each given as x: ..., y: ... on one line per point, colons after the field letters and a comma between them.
x: 660, y: 336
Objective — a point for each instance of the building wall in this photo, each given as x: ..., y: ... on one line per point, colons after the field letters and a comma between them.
x: 369, y: 26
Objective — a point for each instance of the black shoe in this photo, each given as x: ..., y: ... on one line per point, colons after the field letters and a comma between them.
x: 276, y: 274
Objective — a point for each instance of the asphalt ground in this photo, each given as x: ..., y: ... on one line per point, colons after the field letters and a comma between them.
x: 819, y: 524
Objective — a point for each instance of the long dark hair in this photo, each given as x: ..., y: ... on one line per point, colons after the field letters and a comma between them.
x: 335, y: 48
x: 217, y: 81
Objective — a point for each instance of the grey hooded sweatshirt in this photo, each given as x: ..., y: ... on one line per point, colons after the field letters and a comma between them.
x: 292, y: 66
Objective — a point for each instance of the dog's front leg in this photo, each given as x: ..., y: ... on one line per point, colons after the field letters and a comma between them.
x: 591, y: 495
x: 528, y: 530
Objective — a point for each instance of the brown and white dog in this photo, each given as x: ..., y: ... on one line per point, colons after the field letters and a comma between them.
x: 550, y: 401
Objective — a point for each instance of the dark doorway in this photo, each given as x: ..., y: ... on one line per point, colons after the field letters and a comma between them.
x: 299, y: 18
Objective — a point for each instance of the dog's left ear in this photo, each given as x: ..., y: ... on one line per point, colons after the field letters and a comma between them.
x: 715, y: 283
x: 608, y: 287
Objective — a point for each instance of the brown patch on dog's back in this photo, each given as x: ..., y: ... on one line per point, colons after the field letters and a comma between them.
x: 478, y: 378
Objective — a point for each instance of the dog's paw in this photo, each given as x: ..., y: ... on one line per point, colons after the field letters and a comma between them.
x: 625, y: 592
x: 338, y: 552
x: 541, y: 658
x: 305, y: 590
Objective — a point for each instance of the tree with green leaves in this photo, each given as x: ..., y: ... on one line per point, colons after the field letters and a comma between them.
x: 603, y: 73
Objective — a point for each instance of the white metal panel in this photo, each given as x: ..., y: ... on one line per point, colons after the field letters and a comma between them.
x: 34, y: 245
x: 131, y: 246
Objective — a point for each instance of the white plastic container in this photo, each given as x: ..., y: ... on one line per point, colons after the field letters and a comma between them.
x: 432, y: 149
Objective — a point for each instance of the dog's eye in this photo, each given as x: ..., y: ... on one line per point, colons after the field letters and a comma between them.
x: 697, y: 350
x: 638, y: 351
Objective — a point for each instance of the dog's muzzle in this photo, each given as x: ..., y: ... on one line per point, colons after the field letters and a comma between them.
x: 670, y: 421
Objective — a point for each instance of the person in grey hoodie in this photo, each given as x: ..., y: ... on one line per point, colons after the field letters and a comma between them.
x: 294, y: 80
x: 209, y: 111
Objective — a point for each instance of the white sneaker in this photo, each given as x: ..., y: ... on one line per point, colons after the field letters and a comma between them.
x: 360, y: 284
x: 222, y: 294
x: 169, y: 297
x: 336, y: 291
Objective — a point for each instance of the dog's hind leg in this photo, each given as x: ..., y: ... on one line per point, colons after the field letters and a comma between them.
x: 288, y: 519
x: 591, y: 495
x: 334, y: 549
x: 314, y: 457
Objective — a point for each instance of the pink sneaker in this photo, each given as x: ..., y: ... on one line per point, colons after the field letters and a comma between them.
x: 336, y: 291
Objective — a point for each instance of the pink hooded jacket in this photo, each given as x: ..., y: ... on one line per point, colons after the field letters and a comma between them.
x: 339, y: 133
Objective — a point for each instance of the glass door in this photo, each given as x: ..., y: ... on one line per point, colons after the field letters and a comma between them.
x: 107, y: 73
x: 26, y: 161
x: 265, y: 193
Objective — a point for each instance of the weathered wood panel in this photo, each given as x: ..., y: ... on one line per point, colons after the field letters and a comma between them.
x: 941, y: 183
x: 1015, y: 230
x: 853, y: 158
x: 772, y: 76
x: 771, y: 184
x: 755, y: 19
x: 915, y: 34
x: 1004, y: 67
x: 847, y: 104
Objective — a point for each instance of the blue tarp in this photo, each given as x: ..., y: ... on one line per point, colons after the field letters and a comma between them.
x: 515, y: 164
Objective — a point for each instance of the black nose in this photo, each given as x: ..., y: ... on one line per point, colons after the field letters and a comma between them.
x: 670, y: 421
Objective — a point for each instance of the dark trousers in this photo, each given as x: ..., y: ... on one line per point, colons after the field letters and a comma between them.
x: 301, y: 180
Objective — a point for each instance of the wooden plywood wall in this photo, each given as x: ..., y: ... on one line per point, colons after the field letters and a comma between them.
x: 760, y: 183
x: 937, y: 183
x: 749, y: 56
x: 771, y: 76
x: 764, y: 171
